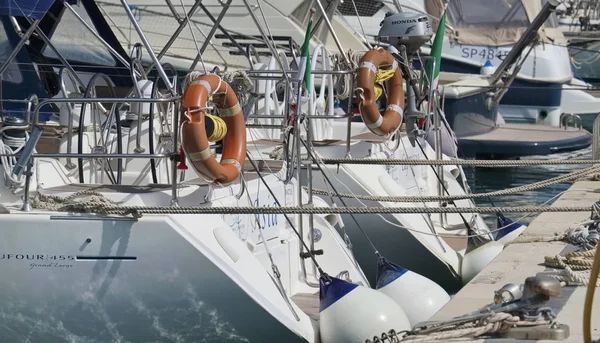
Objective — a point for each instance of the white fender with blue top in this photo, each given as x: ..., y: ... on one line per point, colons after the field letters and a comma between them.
x: 353, y: 313
x: 420, y: 297
x: 479, y: 253
x: 508, y: 229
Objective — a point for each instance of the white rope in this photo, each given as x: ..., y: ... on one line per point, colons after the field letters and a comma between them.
x: 343, y: 85
x: 569, y: 276
x: 497, y: 323
x: 7, y: 144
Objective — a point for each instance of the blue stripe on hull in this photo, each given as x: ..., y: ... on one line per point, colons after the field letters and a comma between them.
x: 469, y: 117
x: 520, y: 92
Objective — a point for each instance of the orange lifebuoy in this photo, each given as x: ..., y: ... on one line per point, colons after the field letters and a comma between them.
x: 367, y: 105
x: 193, y: 135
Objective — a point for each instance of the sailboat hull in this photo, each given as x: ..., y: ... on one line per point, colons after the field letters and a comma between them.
x: 122, y: 280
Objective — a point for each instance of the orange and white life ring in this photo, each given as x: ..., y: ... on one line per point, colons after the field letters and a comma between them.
x: 391, y: 120
x: 193, y: 135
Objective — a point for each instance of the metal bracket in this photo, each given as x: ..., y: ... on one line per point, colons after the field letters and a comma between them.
x: 541, y: 332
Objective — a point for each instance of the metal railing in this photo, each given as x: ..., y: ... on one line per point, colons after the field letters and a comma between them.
x: 566, y: 118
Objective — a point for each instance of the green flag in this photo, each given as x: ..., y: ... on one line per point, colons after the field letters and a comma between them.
x: 436, y: 52
x: 306, y: 56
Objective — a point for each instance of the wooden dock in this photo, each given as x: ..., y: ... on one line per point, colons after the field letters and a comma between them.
x: 521, y: 260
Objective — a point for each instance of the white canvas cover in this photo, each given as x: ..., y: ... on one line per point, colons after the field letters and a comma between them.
x: 491, y: 23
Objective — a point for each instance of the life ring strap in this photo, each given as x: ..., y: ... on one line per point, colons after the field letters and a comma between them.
x: 234, y: 162
x: 229, y: 112
x: 395, y: 108
x: 376, y: 124
x: 200, y: 156
x: 369, y: 65
x: 202, y: 83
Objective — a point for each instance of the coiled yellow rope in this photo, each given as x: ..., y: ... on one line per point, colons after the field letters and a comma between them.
x: 220, y: 129
x: 382, y: 75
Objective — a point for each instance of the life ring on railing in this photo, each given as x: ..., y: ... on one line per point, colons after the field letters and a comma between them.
x: 195, y: 141
x: 370, y: 73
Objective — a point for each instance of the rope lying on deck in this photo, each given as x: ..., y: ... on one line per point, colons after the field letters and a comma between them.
x: 574, y: 268
x: 577, y: 260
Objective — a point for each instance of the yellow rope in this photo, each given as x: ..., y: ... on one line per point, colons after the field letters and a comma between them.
x: 589, y: 298
x: 382, y: 75
x: 220, y: 128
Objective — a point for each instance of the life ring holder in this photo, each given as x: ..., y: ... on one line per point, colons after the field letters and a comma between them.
x: 388, y: 123
x: 194, y: 140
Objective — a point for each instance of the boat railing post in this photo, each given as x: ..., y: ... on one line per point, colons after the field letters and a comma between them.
x: 432, y: 109
x: 175, y: 135
x: 212, y: 31
x: 349, y: 128
x: 26, y: 160
x: 298, y: 79
x: 19, y: 46
x: 596, y: 139
x: 332, y: 31
x: 159, y: 68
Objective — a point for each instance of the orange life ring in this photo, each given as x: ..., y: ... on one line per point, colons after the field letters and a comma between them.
x: 193, y: 135
x: 367, y: 105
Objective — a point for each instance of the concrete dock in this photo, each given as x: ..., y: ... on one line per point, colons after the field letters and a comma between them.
x: 521, y: 260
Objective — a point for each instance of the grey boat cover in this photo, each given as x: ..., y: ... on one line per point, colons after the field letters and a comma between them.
x: 492, y: 22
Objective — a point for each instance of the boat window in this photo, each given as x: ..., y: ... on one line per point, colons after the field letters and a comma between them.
x: 76, y: 43
x: 365, y: 8
x: 484, y: 13
x: 12, y: 73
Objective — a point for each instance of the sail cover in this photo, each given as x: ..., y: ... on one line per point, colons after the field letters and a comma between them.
x: 490, y: 23
x: 35, y: 9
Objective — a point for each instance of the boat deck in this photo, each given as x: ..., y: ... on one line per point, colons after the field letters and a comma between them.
x: 516, y: 140
x: 309, y: 303
x: 521, y: 260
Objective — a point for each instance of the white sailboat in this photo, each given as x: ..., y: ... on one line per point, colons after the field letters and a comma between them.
x: 107, y: 238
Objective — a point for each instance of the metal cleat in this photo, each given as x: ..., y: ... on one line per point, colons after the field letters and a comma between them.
x: 515, y: 292
x: 541, y: 285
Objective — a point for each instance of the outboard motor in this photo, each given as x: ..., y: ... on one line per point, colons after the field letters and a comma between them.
x: 406, y: 29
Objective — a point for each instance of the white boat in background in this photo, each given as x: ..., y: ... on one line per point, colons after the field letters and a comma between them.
x: 107, y: 238
x: 478, y: 32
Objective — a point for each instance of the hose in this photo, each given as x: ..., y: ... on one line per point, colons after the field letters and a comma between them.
x: 87, y: 94
x: 154, y: 94
x: 589, y: 298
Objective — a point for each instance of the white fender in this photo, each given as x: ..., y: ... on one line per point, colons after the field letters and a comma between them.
x: 475, y: 260
x: 420, y: 297
x: 353, y: 313
x: 510, y: 231
x: 487, y: 69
